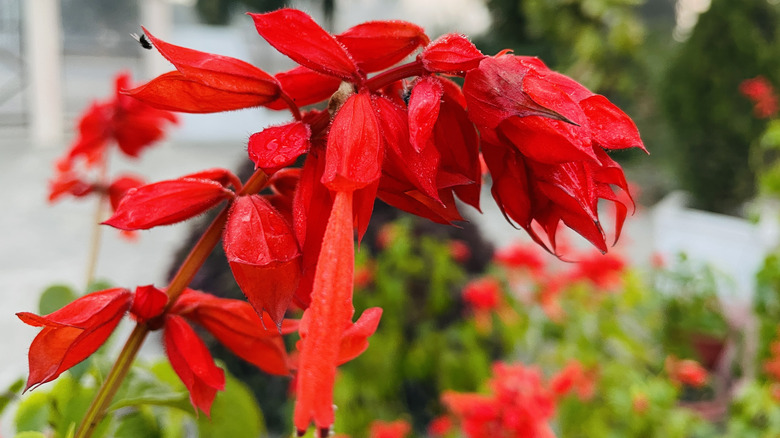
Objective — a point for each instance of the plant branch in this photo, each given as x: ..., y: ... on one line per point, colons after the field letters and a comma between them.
x: 180, y: 281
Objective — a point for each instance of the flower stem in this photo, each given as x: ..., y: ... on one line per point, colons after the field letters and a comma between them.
x: 180, y: 281
x: 114, y: 379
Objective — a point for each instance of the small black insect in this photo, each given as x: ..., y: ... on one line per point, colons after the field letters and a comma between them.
x: 145, y: 43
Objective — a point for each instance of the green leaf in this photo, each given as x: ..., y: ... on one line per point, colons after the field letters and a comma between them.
x: 30, y: 434
x: 234, y: 414
x: 144, y: 387
x: 138, y: 423
x: 99, y: 285
x: 33, y: 412
x: 54, y: 298
x: 10, y: 394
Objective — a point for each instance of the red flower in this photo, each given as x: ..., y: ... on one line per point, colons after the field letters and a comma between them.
x: 520, y: 256
x: 520, y: 105
x: 603, y: 271
x: 394, y: 429
x: 686, y: 372
x: 760, y: 91
x: 133, y: 125
x: 73, y: 333
x: 440, y: 426
x: 483, y: 294
x: 519, y: 405
x: 574, y: 377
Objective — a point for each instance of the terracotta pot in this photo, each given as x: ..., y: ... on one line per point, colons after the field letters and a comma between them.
x: 709, y: 349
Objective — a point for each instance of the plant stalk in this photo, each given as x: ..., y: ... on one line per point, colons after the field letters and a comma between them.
x: 180, y: 281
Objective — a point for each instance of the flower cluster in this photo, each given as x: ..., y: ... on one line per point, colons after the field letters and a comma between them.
x: 74, y: 332
x: 129, y: 124
x: 520, y: 404
x: 366, y: 127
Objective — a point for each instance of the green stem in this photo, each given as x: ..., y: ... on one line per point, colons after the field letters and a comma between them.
x: 112, y: 383
x: 180, y: 281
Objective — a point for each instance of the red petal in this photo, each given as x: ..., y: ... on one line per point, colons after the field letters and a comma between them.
x: 119, y: 188
x: 73, y: 333
x: 329, y: 314
x: 296, y: 35
x: 355, y: 339
x: 402, y: 161
x: 355, y: 149
x: 495, y: 91
x: 451, y: 53
x: 279, y: 146
x: 548, y: 141
x: 192, y: 362
x: 312, y: 201
x: 457, y: 141
x: 222, y: 176
x: 166, y: 202
x: 611, y: 127
x: 510, y: 188
x: 237, y: 326
x: 377, y: 45
x: 217, y: 71
x: 149, y: 302
x: 424, y: 106
x: 305, y: 87
x: 263, y: 255
x: 174, y: 91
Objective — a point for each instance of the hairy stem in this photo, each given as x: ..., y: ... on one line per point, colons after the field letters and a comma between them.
x: 180, y: 281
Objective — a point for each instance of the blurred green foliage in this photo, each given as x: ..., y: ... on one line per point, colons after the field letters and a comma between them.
x: 712, y: 122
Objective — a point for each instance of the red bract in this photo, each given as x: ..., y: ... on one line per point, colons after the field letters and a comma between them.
x: 296, y: 35
x: 355, y: 149
x: 376, y: 45
x: 119, y: 188
x: 206, y: 82
x: 263, y: 255
x: 451, y: 53
x: 279, y: 146
x: 73, y: 333
x: 192, y: 362
x: 166, y: 202
x: 149, y: 303
x: 238, y: 327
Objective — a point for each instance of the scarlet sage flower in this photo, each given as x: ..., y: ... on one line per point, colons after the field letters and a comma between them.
x: 73, y: 333
x: 413, y: 144
x: 132, y: 124
x: 686, y: 372
x: 760, y: 91
x: 544, y: 137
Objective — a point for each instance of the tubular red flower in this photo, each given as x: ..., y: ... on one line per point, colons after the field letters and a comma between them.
x: 73, y: 333
x: 192, y: 362
x: 328, y: 336
x: 166, y: 202
x: 263, y: 254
